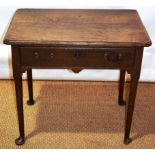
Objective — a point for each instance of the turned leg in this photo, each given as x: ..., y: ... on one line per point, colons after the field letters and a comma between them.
x: 121, y: 102
x: 19, y: 100
x: 30, y: 101
x: 130, y: 108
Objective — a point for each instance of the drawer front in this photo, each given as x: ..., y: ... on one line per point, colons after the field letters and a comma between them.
x: 77, y: 57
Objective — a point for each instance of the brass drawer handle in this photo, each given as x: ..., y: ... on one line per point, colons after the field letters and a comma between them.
x: 51, y: 55
x: 36, y: 55
x: 109, y: 57
x: 119, y: 57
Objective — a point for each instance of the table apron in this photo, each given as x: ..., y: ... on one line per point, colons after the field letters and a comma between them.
x: 88, y: 58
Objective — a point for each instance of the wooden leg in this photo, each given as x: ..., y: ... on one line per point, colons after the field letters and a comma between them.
x: 130, y: 108
x: 30, y: 87
x: 121, y: 102
x: 19, y: 100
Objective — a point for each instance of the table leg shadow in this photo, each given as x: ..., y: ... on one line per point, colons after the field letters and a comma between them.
x: 91, y: 107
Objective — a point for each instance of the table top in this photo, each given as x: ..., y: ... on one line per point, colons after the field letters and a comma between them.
x: 77, y: 27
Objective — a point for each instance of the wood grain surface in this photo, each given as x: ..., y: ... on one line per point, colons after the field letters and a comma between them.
x: 77, y: 27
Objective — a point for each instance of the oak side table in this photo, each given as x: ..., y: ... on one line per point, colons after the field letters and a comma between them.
x: 77, y: 39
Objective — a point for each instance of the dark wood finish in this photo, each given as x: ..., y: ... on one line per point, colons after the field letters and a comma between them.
x: 135, y: 74
x: 30, y: 87
x: 19, y: 93
x: 121, y: 88
x: 77, y: 39
x: 77, y: 27
x: 67, y: 57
